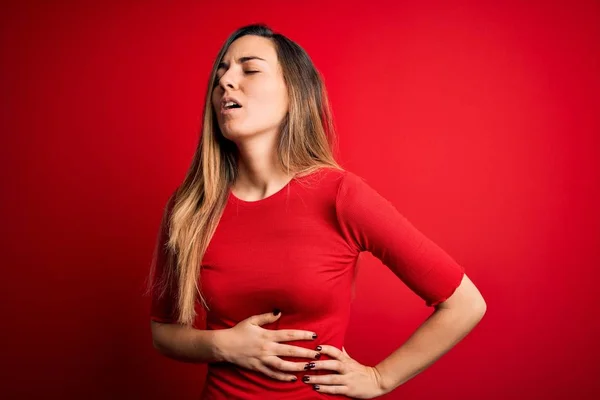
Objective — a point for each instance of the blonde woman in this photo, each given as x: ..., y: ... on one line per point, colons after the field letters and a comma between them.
x: 264, y: 234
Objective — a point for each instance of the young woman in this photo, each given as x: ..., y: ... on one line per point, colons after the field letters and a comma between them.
x: 264, y: 233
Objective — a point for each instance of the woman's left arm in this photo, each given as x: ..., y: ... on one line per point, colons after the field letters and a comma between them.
x: 370, y: 222
x: 451, y: 321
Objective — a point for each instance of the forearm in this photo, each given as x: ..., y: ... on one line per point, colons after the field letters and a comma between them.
x: 436, y: 336
x: 187, y: 344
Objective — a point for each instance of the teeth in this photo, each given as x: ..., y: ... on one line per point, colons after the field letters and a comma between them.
x: 230, y: 104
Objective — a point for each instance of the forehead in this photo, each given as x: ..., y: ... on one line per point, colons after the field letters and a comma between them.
x: 251, y: 46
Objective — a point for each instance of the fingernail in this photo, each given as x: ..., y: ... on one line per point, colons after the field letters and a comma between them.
x: 294, y: 379
x: 319, y: 348
x: 276, y: 311
x: 310, y: 365
x: 305, y: 378
x: 318, y: 355
x: 314, y: 336
x: 316, y: 387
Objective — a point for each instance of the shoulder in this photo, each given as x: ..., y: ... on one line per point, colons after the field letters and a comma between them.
x: 349, y: 183
x: 339, y: 182
x: 332, y: 175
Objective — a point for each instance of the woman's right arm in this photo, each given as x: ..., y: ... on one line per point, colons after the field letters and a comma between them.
x: 247, y: 345
x: 187, y: 344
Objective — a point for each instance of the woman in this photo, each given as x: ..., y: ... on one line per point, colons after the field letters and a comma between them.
x: 276, y: 226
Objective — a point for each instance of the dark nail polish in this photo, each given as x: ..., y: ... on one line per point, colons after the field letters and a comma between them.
x: 305, y: 378
x: 276, y: 311
x: 314, y: 336
x: 318, y: 355
x: 316, y: 387
x: 310, y: 365
x: 294, y: 379
x: 319, y: 348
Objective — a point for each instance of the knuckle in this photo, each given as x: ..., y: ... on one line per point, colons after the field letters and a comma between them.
x: 265, y: 348
x: 270, y: 374
x: 282, y: 377
x: 276, y: 364
x: 256, y: 365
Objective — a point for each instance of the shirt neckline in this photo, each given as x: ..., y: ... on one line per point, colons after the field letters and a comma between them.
x: 265, y: 200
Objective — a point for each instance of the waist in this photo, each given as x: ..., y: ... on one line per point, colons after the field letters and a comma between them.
x: 227, y: 381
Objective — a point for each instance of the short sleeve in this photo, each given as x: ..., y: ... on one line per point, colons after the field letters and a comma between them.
x: 163, y: 294
x: 371, y: 223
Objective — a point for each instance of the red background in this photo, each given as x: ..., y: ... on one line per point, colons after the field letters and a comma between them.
x: 479, y: 121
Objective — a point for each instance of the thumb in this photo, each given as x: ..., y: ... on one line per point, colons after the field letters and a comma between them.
x: 266, y: 318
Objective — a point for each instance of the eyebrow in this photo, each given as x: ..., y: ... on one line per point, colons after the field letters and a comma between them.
x: 240, y: 60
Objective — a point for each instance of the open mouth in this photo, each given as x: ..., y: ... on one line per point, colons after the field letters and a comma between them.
x: 231, y: 105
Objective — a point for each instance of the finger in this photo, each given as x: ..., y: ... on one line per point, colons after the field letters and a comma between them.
x: 333, y: 352
x: 280, y: 376
x: 324, y: 379
x: 295, y: 351
x: 263, y: 319
x: 335, y: 389
x: 282, y: 365
x: 330, y: 365
x: 286, y: 335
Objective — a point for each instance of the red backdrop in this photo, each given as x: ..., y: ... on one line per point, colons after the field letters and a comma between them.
x: 480, y: 122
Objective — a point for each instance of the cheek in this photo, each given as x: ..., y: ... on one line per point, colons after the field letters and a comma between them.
x: 276, y: 98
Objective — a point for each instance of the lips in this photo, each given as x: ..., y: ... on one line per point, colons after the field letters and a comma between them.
x: 230, y: 103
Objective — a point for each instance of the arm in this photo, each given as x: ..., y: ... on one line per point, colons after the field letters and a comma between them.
x: 186, y: 344
x: 451, y: 321
x: 370, y: 222
x: 171, y: 339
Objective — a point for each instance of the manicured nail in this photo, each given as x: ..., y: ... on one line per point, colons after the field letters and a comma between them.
x: 319, y: 348
x: 305, y: 378
x: 314, y: 336
x: 294, y: 379
x: 318, y: 355
x: 316, y: 387
x: 276, y: 311
x: 310, y: 365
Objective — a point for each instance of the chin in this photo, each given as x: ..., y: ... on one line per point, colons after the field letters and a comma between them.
x: 234, y: 134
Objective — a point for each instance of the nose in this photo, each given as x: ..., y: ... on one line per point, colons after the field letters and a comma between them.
x: 227, y: 81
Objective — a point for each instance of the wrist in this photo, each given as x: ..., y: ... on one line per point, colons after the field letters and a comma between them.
x: 384, y: 386
x: 219, y: 346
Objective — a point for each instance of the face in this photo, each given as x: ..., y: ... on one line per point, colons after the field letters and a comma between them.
x: 251, y: 75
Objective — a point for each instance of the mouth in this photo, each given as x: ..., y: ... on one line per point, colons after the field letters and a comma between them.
x: 229, y: 106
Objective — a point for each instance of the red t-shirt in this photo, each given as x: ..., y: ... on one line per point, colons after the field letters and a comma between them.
x: 296, y: 250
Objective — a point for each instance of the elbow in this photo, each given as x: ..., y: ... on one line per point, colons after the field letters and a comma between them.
x: 156, y: 344
x: 479, y: 308
x: 475, y: 307
x: 157, y: 337
x: 467, y: 299
x: 482, y: 306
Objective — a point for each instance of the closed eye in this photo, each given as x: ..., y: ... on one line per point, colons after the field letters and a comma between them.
x: 218, y: 78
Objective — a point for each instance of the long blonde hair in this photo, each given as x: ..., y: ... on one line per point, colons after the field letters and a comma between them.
x: 307, y: 141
